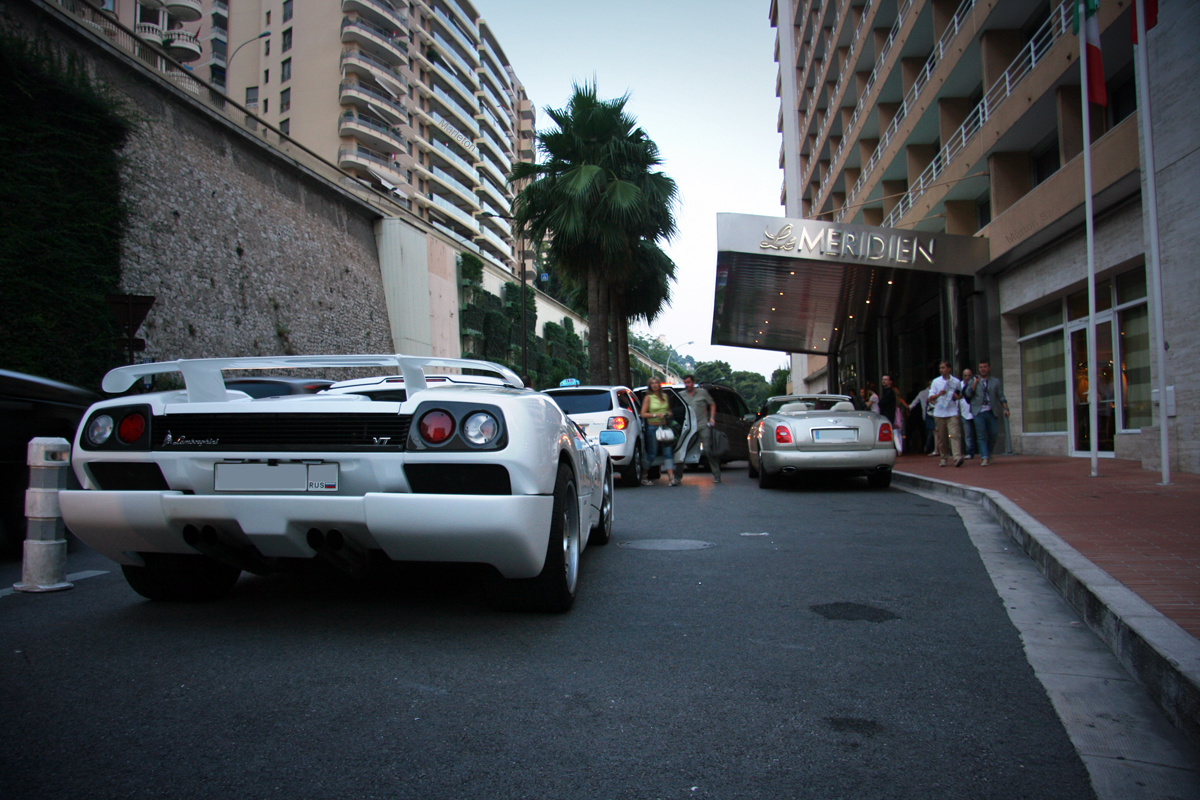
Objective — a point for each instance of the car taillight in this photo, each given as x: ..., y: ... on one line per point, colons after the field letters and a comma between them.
x: 885, y: 432
x: 131, y: 428
x: 783, y: 435
x: 617, y: 423
x: 436, y: 426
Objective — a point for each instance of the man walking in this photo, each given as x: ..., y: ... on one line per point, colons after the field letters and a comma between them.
x: 964, y: 411
x: 704, y: 410
x: 944, y: 393
x: 986, y: 395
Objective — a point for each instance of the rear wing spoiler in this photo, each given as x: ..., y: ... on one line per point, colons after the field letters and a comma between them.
x: 205, y: 383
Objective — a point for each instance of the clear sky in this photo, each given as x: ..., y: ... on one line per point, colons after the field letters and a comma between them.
x: 701, y: 78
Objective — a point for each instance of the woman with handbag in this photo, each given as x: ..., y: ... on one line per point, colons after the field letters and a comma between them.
x: 660, y: 436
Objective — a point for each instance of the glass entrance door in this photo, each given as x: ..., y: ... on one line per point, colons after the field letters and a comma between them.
x: 1081, y: 441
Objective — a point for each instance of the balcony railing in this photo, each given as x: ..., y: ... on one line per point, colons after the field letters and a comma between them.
x: 370, y: 34
x: 383, y: 131
x: 394, y: 105
x: 351, y: 56
x: 1050, y: 32
x: 910, y: 100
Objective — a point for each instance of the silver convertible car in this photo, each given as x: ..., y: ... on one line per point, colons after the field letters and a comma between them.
x: 185, y: 489
x: 820, y: 433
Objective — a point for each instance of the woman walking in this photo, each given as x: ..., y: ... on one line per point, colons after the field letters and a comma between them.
x: 656, y: 411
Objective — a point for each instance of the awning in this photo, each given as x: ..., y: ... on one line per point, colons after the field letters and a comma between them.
x: 788, y: 284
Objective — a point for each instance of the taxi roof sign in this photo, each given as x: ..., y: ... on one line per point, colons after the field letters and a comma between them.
x: 569, y: 382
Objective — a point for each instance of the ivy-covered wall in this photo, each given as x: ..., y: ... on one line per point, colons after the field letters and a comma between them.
x: 61, y: 216
x: 491, y: 330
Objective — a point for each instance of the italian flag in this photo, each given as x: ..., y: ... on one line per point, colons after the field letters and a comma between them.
x: 1089, y: 47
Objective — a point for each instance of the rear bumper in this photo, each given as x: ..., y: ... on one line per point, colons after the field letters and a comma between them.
x: 508, y: 532
x: 864, y: 461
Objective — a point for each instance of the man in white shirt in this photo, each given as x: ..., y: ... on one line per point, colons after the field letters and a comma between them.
x: 944, y: 393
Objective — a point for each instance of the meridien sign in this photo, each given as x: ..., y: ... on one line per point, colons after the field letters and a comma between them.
x: 845, y: 244
x: 817, y: 240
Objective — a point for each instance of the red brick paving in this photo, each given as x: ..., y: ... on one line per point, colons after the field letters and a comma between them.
x: 1144, y: 534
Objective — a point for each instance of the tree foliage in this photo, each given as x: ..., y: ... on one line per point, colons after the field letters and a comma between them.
x: 601, y: 207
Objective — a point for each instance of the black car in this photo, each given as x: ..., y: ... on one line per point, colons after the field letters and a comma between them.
x: 734, y: 418
x: 32, y: 407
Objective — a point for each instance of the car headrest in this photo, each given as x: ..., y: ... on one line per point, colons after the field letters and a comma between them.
x: 796, y: 406
x: 843, y: 405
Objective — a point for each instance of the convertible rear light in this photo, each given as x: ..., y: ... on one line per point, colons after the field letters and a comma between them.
x: 885, y: 432
x: 131, y: 428
x: 618, y: 423
x: 783, y: 435
x: 436, y: 426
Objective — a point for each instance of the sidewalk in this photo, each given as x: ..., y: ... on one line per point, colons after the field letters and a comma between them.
x: 1131, y: 564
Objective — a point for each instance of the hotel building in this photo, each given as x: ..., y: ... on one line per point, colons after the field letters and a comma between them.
x: 964, y: 118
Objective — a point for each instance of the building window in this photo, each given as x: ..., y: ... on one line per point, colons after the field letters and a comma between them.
x: 1045, y: 333
x: 1044, y: 159
x: 219, y: 49
x: 285, y: 100
x: 285, y: 126
x: 251, y: 97
x: 983, y: 210
x: 268, y: 21
x: 287, y: 40
x: 217, y: 76
x: 266, y: 105
x: 285, y: 71
x: 287, y: 10
x: 267, y: 47
x: 266, y: 76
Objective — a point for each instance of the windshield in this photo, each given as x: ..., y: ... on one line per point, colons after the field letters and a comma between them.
x: 584, y: 401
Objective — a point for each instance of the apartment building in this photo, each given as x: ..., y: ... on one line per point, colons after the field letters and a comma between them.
x: 415, y: 98
x: 962, y: 118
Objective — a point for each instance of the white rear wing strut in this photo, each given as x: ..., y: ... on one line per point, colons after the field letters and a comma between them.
x: 204, y: 381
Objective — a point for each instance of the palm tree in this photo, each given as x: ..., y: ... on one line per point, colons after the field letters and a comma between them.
x: 594, y: 197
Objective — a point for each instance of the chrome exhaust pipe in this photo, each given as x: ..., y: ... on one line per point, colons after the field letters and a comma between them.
x: 334, y: 548
x: 211, y: 542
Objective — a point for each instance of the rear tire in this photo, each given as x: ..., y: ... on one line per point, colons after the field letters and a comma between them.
x: 752, y: 470
x: 553, y: 590
x: 603, y: 530
x: 765, y: 480
x: 880, y: 479
x: 181, y: 578
x: 632, y: 474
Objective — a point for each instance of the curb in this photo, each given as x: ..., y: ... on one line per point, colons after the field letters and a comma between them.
x: 1159, y: 654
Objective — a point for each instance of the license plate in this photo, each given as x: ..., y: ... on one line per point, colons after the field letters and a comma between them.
x: 286, y: 477
x: 835, y: 435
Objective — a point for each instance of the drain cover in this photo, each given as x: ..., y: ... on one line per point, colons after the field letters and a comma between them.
x: 667, y: 544
x: 855, y: 612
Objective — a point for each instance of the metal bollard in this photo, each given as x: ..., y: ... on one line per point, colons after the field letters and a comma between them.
x: 45, y: 563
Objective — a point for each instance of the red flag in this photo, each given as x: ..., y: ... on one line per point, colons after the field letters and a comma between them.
x: 1151, y: 7
x: 1089, y: 48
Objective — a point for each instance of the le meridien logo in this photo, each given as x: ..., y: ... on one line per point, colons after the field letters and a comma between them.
x: 839, y: 243
x: 457, y: 135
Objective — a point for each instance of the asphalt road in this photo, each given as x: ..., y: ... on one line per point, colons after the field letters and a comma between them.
x: 810, y: 642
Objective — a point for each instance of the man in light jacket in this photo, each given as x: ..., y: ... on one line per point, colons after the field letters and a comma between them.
x: 944, y: 393
x: 986, y: 396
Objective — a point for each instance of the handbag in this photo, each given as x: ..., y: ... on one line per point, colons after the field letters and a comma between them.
x: 663, y: 433
x: 720, y: 443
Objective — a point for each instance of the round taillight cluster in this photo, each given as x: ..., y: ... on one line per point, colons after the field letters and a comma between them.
x: 129, y: 430
x: 478, y: 428
x: 783, y: 434
x: 618, y: 423
x: 885, y: 432
x: 436, y: 427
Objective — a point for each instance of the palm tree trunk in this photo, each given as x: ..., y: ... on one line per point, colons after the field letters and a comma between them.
x: 603, y: 325
x: 597, y: 334
x: 620, y: 322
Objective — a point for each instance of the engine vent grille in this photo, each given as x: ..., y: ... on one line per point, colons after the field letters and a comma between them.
x: 281, y: 432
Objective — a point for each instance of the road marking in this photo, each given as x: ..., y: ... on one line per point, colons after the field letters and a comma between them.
x: 72, y: 578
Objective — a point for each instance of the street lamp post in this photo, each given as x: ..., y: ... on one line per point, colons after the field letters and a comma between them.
x: 229, y: 61
x: 667, y: 368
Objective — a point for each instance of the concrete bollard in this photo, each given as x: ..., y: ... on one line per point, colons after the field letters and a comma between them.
x: 45, y: 564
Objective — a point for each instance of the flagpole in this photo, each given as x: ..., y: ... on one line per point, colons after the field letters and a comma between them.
x: 1155, y: 271
x: 1093, y: 411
